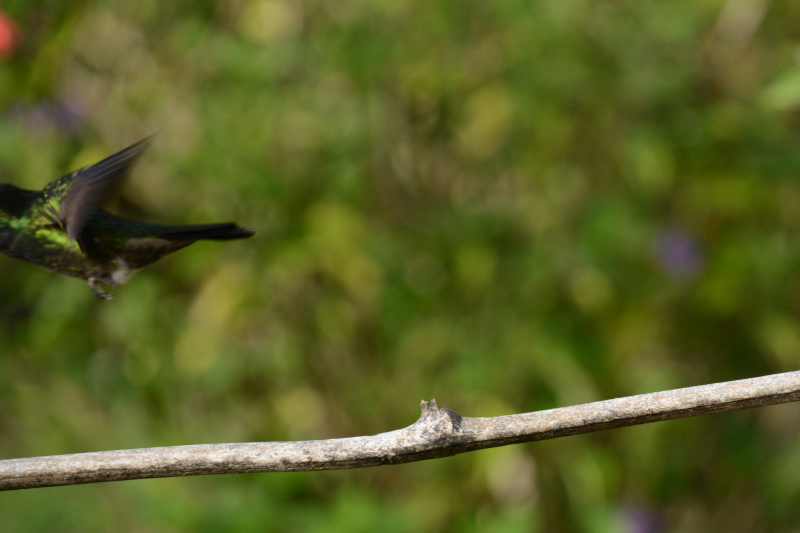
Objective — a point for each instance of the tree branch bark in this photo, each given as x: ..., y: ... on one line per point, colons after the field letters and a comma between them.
x: 437, y: 433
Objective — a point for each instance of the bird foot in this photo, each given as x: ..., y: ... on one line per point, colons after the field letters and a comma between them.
x: 99, y: 292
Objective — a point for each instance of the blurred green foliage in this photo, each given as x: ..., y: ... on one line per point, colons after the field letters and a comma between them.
x: 508, y: 205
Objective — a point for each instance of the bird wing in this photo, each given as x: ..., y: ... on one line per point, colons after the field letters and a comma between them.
x: 87, y: 189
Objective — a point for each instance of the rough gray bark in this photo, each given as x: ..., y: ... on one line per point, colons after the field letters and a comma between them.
x: 437, y: 433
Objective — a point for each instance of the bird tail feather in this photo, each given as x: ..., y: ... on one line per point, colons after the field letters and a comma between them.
x: 215, y: 232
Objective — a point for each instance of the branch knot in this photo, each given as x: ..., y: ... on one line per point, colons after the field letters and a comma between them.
x: 443, y: 422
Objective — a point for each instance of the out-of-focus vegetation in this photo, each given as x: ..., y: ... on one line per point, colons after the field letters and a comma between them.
x: 507, y: 205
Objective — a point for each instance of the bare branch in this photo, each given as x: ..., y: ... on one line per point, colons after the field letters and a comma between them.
x: 437, y: 433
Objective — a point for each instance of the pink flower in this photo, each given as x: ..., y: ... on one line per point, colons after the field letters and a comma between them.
x: 9, y: 35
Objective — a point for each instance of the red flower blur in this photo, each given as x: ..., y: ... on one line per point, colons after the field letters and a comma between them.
x: 9, y: 35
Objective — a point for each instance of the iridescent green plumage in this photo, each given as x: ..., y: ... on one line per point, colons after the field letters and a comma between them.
x: 64, y: 229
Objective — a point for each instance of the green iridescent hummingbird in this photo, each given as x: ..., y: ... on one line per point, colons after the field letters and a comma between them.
x: 64, y: 229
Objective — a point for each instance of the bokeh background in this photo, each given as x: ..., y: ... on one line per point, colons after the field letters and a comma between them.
x: 507, y: 205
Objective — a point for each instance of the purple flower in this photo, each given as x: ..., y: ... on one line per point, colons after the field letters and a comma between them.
x: 642, y: 520
x: 678, y: 253
x: 45, y: 116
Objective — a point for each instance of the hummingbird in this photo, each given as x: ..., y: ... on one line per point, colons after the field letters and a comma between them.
x: 64, y: 228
